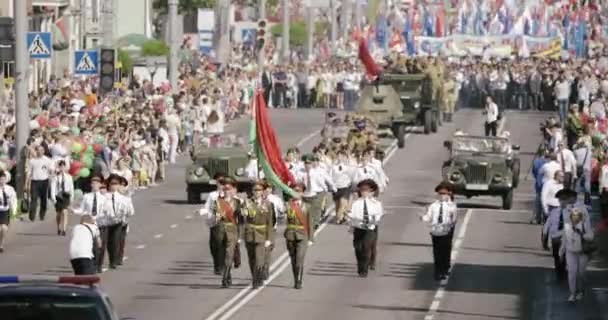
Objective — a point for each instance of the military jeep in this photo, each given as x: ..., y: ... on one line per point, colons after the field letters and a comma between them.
x: 483, y: 166
x: 395, y: 101
x: 216, y: 154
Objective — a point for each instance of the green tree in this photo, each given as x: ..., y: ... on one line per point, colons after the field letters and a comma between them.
x: 297, y: 32
x: 126, y: 61
x: 185, y: 6
x: 154, y: 48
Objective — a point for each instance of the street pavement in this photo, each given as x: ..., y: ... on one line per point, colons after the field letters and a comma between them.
x: 500, y: 270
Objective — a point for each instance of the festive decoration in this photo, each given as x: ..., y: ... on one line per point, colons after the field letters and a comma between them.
x: 84, y: 173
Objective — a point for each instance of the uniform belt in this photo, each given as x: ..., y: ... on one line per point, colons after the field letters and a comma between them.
x: 257, y: 226
x: 295, y: 226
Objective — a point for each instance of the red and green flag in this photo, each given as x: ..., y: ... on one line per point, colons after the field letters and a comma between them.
x: 267, y: 149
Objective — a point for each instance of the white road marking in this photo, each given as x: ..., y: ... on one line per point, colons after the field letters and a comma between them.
x: 188, y: 217
x: 173, y: 226
x: 441, y: 292
x: 158, y: 236
x: 246, y: 294
x: 125, y: 258
x: 104, y: 269
x: 308, y: 137
x: 141, y: 246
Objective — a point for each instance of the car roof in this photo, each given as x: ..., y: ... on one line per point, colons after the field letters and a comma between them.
x: 47, y: 289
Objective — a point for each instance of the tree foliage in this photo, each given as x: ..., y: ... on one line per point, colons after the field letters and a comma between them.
x: 185, y: 6
x: 297, y: 32
x: 126, y: 61
x: 154, y: 48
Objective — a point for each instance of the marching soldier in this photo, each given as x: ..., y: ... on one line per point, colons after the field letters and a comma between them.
x: 257, y: 216
x: 121, y: 208
x: 124, y: 230
x: 449, y: 97
x: 299, y: 233
x: 226, y: 210
x: 357, y: 139
x: 317, y: 181
x: 217, y: 253
x: 441, y: 215
x: 364, y: 218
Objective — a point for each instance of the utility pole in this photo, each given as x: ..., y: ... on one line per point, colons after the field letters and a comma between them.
x: 173, y: 61
x: 310, y: 30
x: 285, y: 37
x: 108, y: 23
x: 21, y: 103
x: 334, y: 27
x: 82, y: 24
x: 261, y: 16
x: 222, y: 31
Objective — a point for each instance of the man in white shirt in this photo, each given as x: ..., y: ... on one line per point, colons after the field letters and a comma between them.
x: 366, y: 170
x: 173, y: 126
x: 562, y: 95
x: 441, y: 215
x: 252, y: 171
x: 40, y: 169
x: 214, y: 228
x: 62, y: 194
x: 121, y: 208
x: 85, y: 239
x: 550, y: 188
x: 549, y: 169
x: 364, y: 218
x: 317, y: 181
x: 567, y: 163
x: 491, y: 124
x: 8, y: 203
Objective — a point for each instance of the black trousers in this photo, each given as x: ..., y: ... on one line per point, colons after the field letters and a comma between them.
x: 442, y: 246
x: 363, y: 242
x: 110, y: 242
x: 560, y: 265
x: 491, y: 128
x: 302, y: 96
x: 216, y: 248
x: 604, y: 204
x: 122, y: 240
x: 40, y: 191
x: 567, y: 180
x: 83, y: 266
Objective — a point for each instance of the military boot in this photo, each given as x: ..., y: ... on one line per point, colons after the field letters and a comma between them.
x: 300, y: 275
x: 266, y: 272
x: 445, y: 117
x: 295, y: 273
x: 257, y: 278
x: 226, y: 278
x: 450, y: 117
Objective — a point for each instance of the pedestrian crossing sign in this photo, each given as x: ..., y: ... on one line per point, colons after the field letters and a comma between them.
x: 39, y: 45
x: 85, y: 62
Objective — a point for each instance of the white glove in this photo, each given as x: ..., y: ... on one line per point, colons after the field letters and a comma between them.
x: 202, y: 211
x: 372, y: 227
x: 238, y: 241
x: 267, y: 244
x: 310, y: 243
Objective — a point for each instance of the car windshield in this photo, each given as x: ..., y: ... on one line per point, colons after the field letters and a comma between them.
x: 222, y: 141
x: 52, y: 308
x: 479, y: 145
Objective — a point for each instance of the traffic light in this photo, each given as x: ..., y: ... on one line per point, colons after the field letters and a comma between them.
x: 7, y: 39
x: 107, y: 70
x: 260, y: 38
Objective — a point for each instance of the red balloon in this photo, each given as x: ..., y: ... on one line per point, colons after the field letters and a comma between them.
x: 54, y: 123
x: 97, y: 148
x: 41, y: 121
x: 75, y: 166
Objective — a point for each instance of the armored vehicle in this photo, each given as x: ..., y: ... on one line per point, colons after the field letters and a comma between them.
x: 483, y: 166
x: 216, y: 154
x: 398, y: 100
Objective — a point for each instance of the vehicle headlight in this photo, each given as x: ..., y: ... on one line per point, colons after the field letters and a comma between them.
x: 455, y: 176
x: 199, y: 171
x: 498, y: 178
x: 240, y: 172
x: 416, y: 104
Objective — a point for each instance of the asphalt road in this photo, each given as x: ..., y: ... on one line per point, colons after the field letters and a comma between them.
x: 500, y: 271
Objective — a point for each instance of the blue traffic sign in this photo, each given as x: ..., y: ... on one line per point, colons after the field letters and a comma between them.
x: 39, y: 45
x: 85, y: 62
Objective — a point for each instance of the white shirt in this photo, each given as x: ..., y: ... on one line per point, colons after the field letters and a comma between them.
x: 252, y: 172
x: 81, y: 243
x: 103, y: 214
x: 173, y: 123
x: 342, y: 175
x: 547, y: 196
x: 62, y: 183
x: 121, y: 206
x: 206, y: 209
x: 278, y: 206
x: 319, y: 181
x: 491, y: 112
x: 562, y: 90
x: 11, y: 198
x: 572, y: 241
x: 40, y: 168
x: 369, y: 171
x: 567, y: 161
x: 603, y: 179
x: 447, y: 211
x: 549, y: 169
x: 356, y: 215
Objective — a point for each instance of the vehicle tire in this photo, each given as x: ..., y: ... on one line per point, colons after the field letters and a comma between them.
x: 428, y: 121
x: 194, y: 197
x: 400, y: 133
x: 435, y: 123
x: 515, y: 168
x: 439, y: 118
x: 507, y: 200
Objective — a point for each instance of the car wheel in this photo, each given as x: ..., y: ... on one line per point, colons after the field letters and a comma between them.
x: 516, y: 169
x: 194, y: 197
x: 435, y: 122
x: 400, y: 136
x: 428, y: 121
x: 507, y: 200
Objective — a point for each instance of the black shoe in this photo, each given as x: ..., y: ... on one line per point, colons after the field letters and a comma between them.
x: 1, y: 250
x: 226, y: 278
x: 437, y: 277
x: 112, y: 266
x: 58, y: 232
x: 217, y: 272
x: 363, y: 274
x: 372, y: 267
x: 298, y: 285
x: 225, y: 284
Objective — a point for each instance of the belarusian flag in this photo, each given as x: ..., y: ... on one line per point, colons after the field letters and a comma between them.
x: 266, y: 147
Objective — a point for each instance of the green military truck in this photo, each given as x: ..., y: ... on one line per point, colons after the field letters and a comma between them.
x: 211, y: 155
x: 396, y: 101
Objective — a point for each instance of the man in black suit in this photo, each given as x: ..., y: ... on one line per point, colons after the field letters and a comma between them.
x: 267, y: 84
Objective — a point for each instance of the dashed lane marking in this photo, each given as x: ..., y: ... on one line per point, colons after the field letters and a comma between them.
x: 158, y: 236
x: 173, y: 226
x: 188, y: 217
x: 141, y: 246
x: 441, y: 292
x: 247, y: 294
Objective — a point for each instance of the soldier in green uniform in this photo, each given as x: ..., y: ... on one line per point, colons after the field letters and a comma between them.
x: 299, y: 233
x: 449, y: 97
x: 357, y: 139
x: 227, y: 211
x: 257, y: 216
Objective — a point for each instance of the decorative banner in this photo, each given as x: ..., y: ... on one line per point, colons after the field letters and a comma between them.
x: 430, y: 46
x: 548, y: 47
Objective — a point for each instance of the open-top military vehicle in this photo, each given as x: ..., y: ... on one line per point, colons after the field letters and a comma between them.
x: 216, y: 154
x: 395, y: 101
x: 483, y: 166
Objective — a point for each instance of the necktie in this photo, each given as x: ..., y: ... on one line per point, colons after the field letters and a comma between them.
x: 62, y: 183
x: 365, y: 212
x: 365, y: 170
x: 440, y: 219
x: 113, y: 204
x: 340, y: 168
x: 4, y: 198
x: 308, y: 181
x: 561, y: 154
x: 94, y: 204
x: 560, y: 225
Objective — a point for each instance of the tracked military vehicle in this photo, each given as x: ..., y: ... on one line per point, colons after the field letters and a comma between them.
x: 396, y: 101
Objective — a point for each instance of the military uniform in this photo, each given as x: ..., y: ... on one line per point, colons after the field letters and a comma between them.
x: 298, y: 233
x: 229, y: 220
x: 449, y: 98
x: 257, y: 217
x: 357, y: 141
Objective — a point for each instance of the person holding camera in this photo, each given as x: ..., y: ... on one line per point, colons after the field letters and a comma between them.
x: 83, y: 246
x: 62, y: 194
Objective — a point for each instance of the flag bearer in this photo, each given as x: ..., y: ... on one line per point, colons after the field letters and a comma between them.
x: 257, y: 216
x: 441, y: 215
x: 364, y: 217
x: 299, y: 233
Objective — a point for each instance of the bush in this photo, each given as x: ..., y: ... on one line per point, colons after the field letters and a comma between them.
x: 297, y: 32
x: 154, y: 48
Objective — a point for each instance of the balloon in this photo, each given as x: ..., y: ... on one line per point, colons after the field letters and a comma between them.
x: 77, y: 147
x: 97, y: 148
x: 34, y: 125
x: 54, y: 123
x: 41, y: 121
x: 99, y: 139
x: 87, y: 161
x: 90, y: 149
x: 84, y: 172
x: 76, y: 156
x: 75, y: 131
